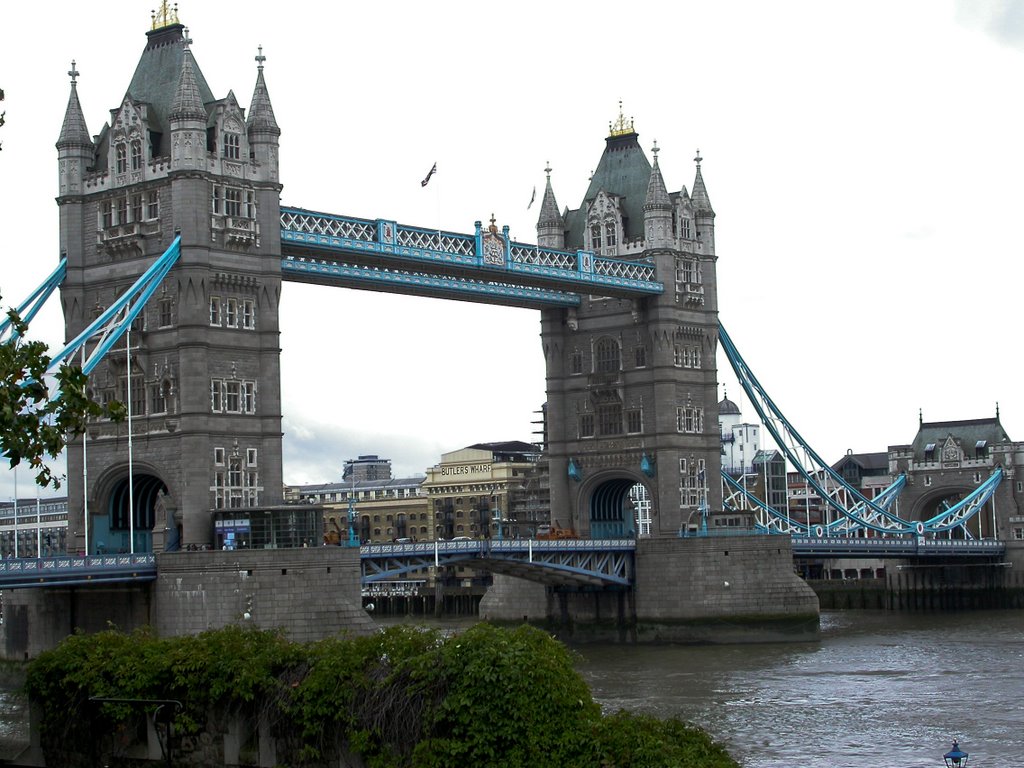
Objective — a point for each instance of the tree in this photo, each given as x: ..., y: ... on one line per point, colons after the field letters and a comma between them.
x: 34, y: 427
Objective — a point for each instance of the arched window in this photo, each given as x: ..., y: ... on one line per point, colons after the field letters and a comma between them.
x: 136, y: 155
x: 606, y: 355
x: 122, y: 158
x: 595, y: 237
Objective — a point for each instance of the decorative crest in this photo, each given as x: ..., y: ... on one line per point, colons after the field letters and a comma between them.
x: 620, y: 127
x: 166, y: 16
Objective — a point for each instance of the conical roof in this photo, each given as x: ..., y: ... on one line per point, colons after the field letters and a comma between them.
x: 549, y: 214
x: 188, y: 103
x: 261, y: 114
x: 701, y: 201
x: 657, y: 194
x: 74, y: 132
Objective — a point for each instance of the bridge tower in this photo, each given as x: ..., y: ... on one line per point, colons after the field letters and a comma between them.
x: 202, y: 366
x: 631, y: 384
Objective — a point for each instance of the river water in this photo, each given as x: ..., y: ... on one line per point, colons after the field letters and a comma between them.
x: 879, y: 689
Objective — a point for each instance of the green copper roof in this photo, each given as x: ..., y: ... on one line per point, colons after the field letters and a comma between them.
x: 624, y: 171
x: 155, y: 81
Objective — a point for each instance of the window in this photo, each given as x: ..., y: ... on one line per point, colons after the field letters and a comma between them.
x: 586, y: 425
x: 248, y: 314
x: 153, y: 205
x: 214, y: 310
x: 121, y: 162
x: 606, y: 355
x: 687, y: 271
x: 609, y: 419
x: 136, y: 207
x: 576, y: 362
x: 232, y: 201
x: 233, y: 396
x: 218, y: 457
x: 689, y: 419
x: 250, y: 457
x: 609, y: 234
x: 232, y: 146
x: 165, y: 312
x: 634, y: 421
x: 138, y: 394
x: 686, y: 228
x: 595, y: 237
x: 157, y: 398
x: 122, y: 210
x: 686, y: 356
x: 640, y: 354
x: 231, y: 313
x: 136, y: 155
x: 107, y: 213
x: 691, y: 481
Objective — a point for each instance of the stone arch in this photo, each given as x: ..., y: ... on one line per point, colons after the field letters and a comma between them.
x: 113, y: 499
x: 606, y: 507
x: 927, y: 505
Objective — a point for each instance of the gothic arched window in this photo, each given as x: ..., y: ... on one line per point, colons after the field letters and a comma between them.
x: 121, y: 154
x: 136, y: 155
x: 595, y: 237
x: 609, y: 234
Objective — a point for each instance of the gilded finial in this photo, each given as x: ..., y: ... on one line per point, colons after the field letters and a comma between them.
x: 493, y: 229
x: 260, y: 58
x: 620, y: 127
x: 74, y: 73
x: 166, y: 16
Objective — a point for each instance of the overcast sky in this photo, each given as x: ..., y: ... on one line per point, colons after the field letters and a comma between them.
x: 864, y: 161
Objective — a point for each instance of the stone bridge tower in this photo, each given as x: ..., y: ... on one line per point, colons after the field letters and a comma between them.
x: 203, y: 367
x: 631, y: 384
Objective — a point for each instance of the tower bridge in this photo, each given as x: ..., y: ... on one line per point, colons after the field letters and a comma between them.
x: 173, y: 233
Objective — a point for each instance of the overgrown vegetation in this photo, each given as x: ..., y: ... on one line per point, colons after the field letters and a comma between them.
x: 402, y: 698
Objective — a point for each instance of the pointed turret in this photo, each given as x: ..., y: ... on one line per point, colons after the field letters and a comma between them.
x: 657, y: 209
x: 703, y: 211
x: 74, y: 147
x: 550, y: 224
x: 187, y: 117
x: 261, y: 124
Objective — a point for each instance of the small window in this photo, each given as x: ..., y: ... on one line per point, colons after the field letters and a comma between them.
x: 640, y: 355
x: 166, y: 314
x: 121, y: 153
x: 153, y: 205
x: 634, y: 421
x: 215, y: 310
x: 595, y: 237
x: 576, y: 362
x: 248, y: 314
x: 136, y: 207
x: 250, y: 457
x: 136, y: 155
x: 232, y: 146
x: 231, y: 313
x: 218, y: 457
x: 586, y: 425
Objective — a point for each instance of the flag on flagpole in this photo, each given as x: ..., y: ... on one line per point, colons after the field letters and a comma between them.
x: 532, y: 198
x: 431, y: 172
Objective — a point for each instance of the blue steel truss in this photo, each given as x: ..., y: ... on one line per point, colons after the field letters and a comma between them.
x: 570, y: 562
x: 855, y: 514
x: 30, y: 306
x: 486, y: 266
x: 75, y: 570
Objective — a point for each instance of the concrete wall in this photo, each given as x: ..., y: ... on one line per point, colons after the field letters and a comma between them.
x: 311, y: 593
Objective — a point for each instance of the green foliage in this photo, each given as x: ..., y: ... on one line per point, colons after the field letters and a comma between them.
x: 640, y: 741
x: 34, y: 428
x: 401, y: 698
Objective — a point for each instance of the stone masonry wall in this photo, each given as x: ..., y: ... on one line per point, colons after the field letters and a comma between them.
x: 311, y: 593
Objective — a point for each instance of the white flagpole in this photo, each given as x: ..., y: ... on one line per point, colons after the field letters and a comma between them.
x: 131, y: 478
x: 85, y: 478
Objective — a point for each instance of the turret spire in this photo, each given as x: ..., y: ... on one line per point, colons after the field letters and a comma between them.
x: 657, y: 194
x: 550, y: 223
x: 74, y: 132
x: 701, y: 201
x: 261, y: 114
x: 188, y: 102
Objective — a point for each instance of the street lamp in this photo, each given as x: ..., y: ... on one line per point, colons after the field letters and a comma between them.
x: 956, y: 757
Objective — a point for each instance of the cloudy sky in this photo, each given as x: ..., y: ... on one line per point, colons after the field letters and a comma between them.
x: 864, y: 160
